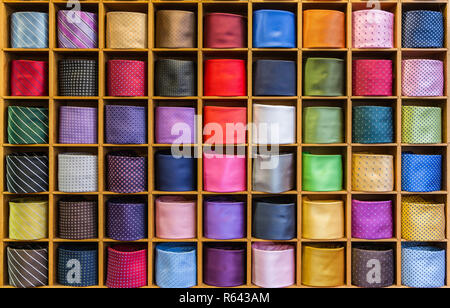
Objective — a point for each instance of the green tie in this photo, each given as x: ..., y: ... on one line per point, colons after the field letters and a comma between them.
x: 323, y: 125
x: 322, y: 172
x: 27, y: 125
x: 421, y: 124
x: 324, y: 77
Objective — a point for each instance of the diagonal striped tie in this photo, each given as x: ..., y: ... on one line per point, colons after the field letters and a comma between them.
x: 77, y: 29
x: 29, y: 30
x: 27, y: 265
x: 29, y: 78
x: 28, y: 219
x: 27, y: 172
x: 27, y: 125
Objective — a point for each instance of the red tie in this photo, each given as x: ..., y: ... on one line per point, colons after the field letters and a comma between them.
x: 29, y: 78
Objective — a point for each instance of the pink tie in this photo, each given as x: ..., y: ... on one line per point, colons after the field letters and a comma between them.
x: 373, y: 29
x: 176, y: 217
x: 372, y: 77
x: 422, y: 77
x: 224, y: 173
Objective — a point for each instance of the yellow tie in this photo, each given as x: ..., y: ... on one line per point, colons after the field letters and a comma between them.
x: 28, y: 219
x: 126, y: 30
x: 322, y: 219
x: 323, y: 265
x: 372, y: 172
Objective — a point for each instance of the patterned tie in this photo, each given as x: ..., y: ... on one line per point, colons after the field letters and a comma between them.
x: 126, y: 266
x: 421, y: 173
x: 77, y: 77
x: 422, y: 29
x: 125, y: 124
x: 372, y: 220
x: 373, y: 29
x: 175, y: 29
x: 77, y: 125
x: 28, y: 219
x: 323, y: 125
x: 127, y: 78
x: 373, y: 266
x: 77, y: 172
x: 27, y: 265
x: 372, y: 172
x: 175, y: 77
x: 27, y: 125
x: 126, y: 30
x: 77, y: 219
x: 175, y: 125
x: 77, y: 265
x: 372, y: 77
x: 422, y: 77
x: 77, y: 29
x: 176, y: 265
x: 29, y: 30
x: 324, y: 77
x: 29, y: 78
x: 126, y: 219
x: 372, y: 124
x: 421, y: 124
x: 27, y: 172
x: 126, y: 172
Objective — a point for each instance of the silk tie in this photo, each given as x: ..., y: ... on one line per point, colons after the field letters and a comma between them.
x: 274, y: 173
x: 373, y: 266
x: 224, y: 218
x: 77, y: 29
x: 28, y: 219
x: 372, y: 220
x: 126, y: 172
x: 421, y: 124
x: 274, y: 124
x: 77, y: 219
x: 27, y: 265
x: 372, y: 77
x: 27, y: 125
x: 126, y: 218
x: 175, y: 125
x: 275, y: 78
x: 224, y: 30
x: 372, y: 172
x: 373, y: 29
x: 175, y: 217
x: 224, y: 125
x: 422, y: 29
x: 324, y: 77
x: 27, y: 172
x: 274, y: 29
x: 323, y: 265
x: 322, y: 172
x: 175, y: 29
x: 126, y: 30
x: 125, y: 124
x: 322, y: 219
x: 29, y: 78
x: 77, y: 172
x: 323, y: 125
x: 175, y: 78
x: 29, y: 30
x: 225, y: 77
x: 372, y: 124
x: 77, y: 77
x: 77, y: 265
x: 224, y: 173
x: 423, y: 265
x: 77, y: 125
x: 421, y: 173
x: 273, y: 264
x: 126, y: 266
x: 422, y: 220
x: 127, y: 78
x: 323, y: 29
x: 422, y: 77
x: 182, y: 172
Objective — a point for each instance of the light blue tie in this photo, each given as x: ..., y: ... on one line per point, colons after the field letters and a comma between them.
x: 29, y: 30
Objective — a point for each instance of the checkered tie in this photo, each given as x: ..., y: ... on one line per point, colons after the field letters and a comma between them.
x: 27, y: 125
x: 422, y: 77
x: 27, y: 172
x: 77, y: 172
x: 29, y: 30
x: 77, y: 125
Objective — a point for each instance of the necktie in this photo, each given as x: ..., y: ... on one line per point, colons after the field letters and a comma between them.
x: 423, y: 265
x: 27, y: 172
x: 321, y: 172
x: 274, y: 124
x: 323, y: 125
x: 175, y: 77
x: 224, y: 218
x: 77, y: 125
x: 126, y: 30
x: 125, y: 124
x: 77, y: 219
x: 274, y: 218
x: 323, y: 29
x: 224, y: 30
x: 175, y: 29
x: 372, y: 220
x: 126, y: 172
x: 176, y: 265
x: 323, y: 265
x: 422, y: 29
x: 372, y: 172
x: 126, y: 266
x: 324, y: 77
x: 77, y: 29
x: 274, y: 173
x: 77, y: 77
x: 274, y: 29
x: 175, y: 217
x: 273, y: 264
x: 174, y: 173
x: 175, y: 125
x: 422, y: 77
x: 224, y: 264
x: 27, y: 265
x: 224, y: 173
x: 372, y: 77
x: 77, y: 172
x: 127, y: 78
x: 126, y: 218
x: 27, y: 125
x: 373, y: 29
x: 373, y: 266
x: 372, y: 124
x: 29, y: 78
x: 29, y: 30
x: 422, y: 220
x: 322, y: 219
x: 421, y: 124
x: 77, y: 265
x: 421, y: 173
x: 225, y: 77
x: 224, y: 125
x: 28, y: 219
x: 275, y: 78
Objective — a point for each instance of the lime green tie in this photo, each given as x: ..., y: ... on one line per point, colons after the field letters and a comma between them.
x: 421, y: 124
x: 27, y: 125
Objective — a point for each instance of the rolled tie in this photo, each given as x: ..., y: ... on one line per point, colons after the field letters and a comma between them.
x: 27, y: 172
x: 175, y: 217
x: 323, y: 29
x: 275, y: 78
x: 77, y: 125
x: 422, y: 29
x: 77, y: 219
x: 372, y: 77
x: 29, y: 78
x: 274, y: 29
x: 175, y: 78
x: 225, y: 77
x: 174, y: 174
x: 77, y: 77
x: 77, y: 265
x: 324, y: 77
x: 224, y: 173
x: 127, y: 78
x: 175, y: 125
x: 274, y: 124
x: 224, y: 125
x: 322, y: 172
x: 372, y: 220
x: 372, y: 172
x: 77, y: 29
x: 373, y: 29
x: 126, y: 218
x: 28, y: 219
x: 126, y: 30
x: 126, y: 172
x: 125, y: 124
x: 373, y: 266
x: 274, y: 173
x: 27, y: 265
x: 421, y: 124
x: 323, y: 265
x: 176, y: 265
x: 372, y: 124
x: 224, y: 30
x: 323, y: 125
x: 175, y: 29
x: 422, y: 77
x: 77, y: 172
x: 126, y: 266
x: 27, y: 125
x: 323, y: 219
x: 421, y: 173
x: 29, y: 30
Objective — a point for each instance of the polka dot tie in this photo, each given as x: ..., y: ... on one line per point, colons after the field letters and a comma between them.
x: 422, y: 29
x: 372, y: 77
x: 126, y: 266
x: 372, y: 172
x: 77, y: 265
x: 373, y: 29
x: 421, y: 124
x: 372, y: 266
x: 126, y: 78
x: 372, y: 124
x: 126, y: 219
x: 372, y: 219
x: 421, y: 173
x: 125, y: 124
x: 422, y: 77
x: 126, y: 172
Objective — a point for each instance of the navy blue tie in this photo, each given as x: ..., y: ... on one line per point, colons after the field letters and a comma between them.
x: 422, y: 29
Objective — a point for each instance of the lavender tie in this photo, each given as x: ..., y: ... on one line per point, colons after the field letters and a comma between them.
x: 77, y: 125
x: 77, y: 29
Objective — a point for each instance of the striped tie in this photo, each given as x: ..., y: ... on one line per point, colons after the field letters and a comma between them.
x: 29, y: 78
x: 27, y: 265
x: 28, y: 219
x: 27, y: 172
x: 27, y: 125
x: 77, y: 29
x: 29, y: 30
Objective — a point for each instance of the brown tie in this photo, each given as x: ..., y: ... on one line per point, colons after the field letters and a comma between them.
x: 126, y: 30
x: 175, y: 29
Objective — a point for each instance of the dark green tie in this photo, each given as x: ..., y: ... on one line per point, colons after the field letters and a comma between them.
x: 27, y: 125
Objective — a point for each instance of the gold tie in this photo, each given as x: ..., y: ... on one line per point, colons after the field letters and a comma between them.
x: 323, y: 265
x: 322, y: 219
x: 175, y: 29
x: 126, y: 30
x: 28, y: 219
x: 372, y: 172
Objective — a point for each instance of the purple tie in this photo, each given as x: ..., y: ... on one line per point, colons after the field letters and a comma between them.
x: 125, y: 124
x: 77, y: 125
x: 126, y: 218
x: 126, y: 172
x: 175, y: 125
x: 224, y: 218
x: 77, y: 29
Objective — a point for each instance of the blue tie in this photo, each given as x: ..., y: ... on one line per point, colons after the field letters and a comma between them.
x: 372, y: 124
x: 421, y: 173
x: 77, y: 265
x: 29, y: 30
x: 422, y: 29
